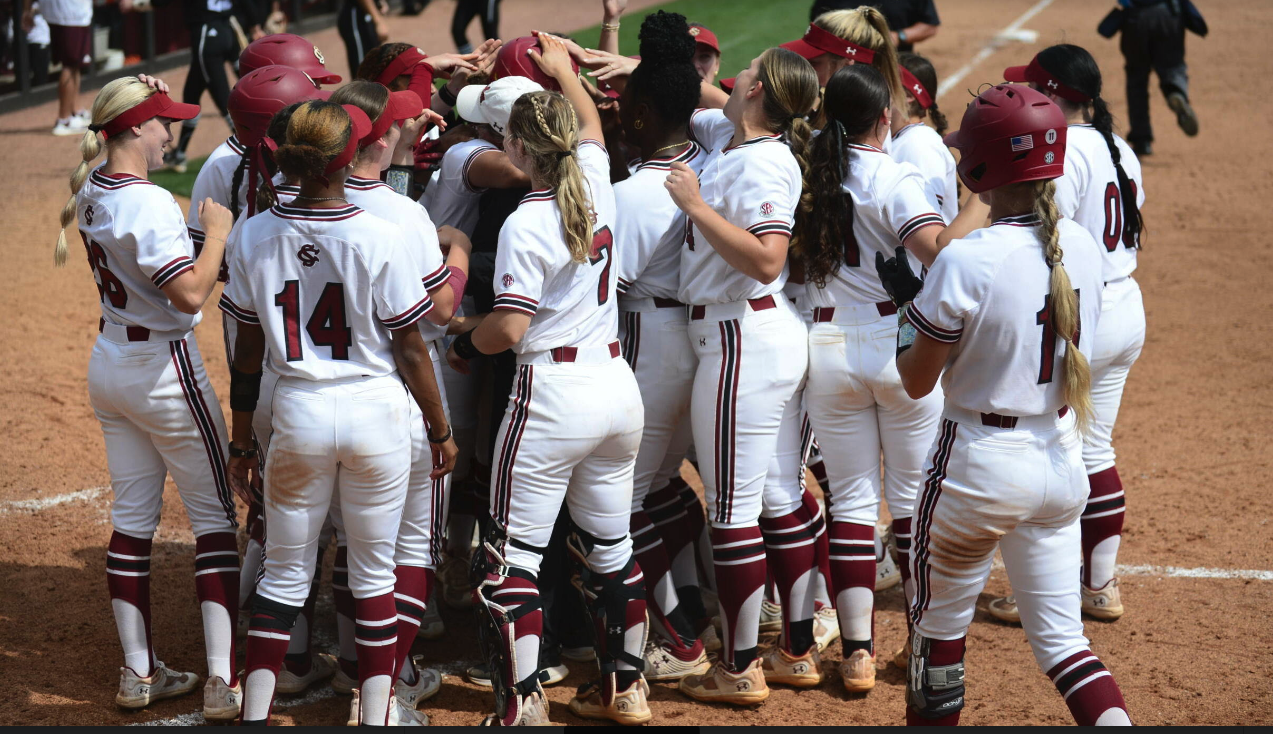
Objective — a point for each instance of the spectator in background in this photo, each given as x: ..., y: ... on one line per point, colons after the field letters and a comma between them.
x: 362, y: 27
x: 465, y: 10
x: 38, y: 51
x: 910, y: 21
x: 706, y: 53
x: 71, y: 44
x: 1154, y: 40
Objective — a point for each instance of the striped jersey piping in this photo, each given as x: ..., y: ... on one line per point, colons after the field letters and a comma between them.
x: 865, y: 148
x: 320, y: 215
x: 1021, y: 220
x: 540, y: 195
x: 358, y: 183
x: 115, y: 181
x: 235, y: 145
x: 664, y: 164
x: 753, y: 141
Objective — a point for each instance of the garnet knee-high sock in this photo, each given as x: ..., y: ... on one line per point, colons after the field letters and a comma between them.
x: 1089, y: 690
x: 266, y: 645
x: 346, y: 613
x: 853, y: 578
x: 790, y: 541
x: 410, y: 593
x: 821, y: 547
x: 376, y: 635
x: 666, y: 509
x: 662, y: 601
x: 128, y: 580
x: 940, y: 652
x: 1102, y: 526
x: 216, y: 582
x: 739, y: 557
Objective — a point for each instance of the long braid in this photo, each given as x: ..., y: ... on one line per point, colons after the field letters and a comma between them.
x: 90, y: 147
x: 1076, y: 374
x: 552, y: 142
x: 1103, y: 123
x: 237, y: 182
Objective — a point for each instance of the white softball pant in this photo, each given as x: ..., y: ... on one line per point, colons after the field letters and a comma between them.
x: 347, y: 436
x: 657, y: 348
x: 570, y: 433
x: 421, y: 535
x: 860, y: 411
x: 160, y: 416
x: 750, y: 365
x: 1021, y: 490
x: 1120, y: 334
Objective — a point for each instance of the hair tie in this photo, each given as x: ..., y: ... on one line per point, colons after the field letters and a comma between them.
x: 563, y: 154
x: 96, y: 128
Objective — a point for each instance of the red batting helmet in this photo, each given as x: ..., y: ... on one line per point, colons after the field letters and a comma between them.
x: 286, y: 49
x: 1010, y: 133
x: 264, y: 92
x: 514, y: 61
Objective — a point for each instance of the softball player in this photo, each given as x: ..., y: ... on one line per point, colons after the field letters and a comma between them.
x: 420, y: 535
x: 657, y: 102
x: 921, y: 145
x: 855, y: 399
x: 1103, y: 191
x: 148, y: 387
x: 574, y: 419
x: 221, y: 177
x: 341, y: 417
x: 752, y: 354
x: 998, y: 319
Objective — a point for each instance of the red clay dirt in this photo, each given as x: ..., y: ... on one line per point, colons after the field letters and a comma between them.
x: 1193, y: 436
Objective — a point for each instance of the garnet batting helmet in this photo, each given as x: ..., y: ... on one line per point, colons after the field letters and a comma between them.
x: 286, y: 49
x: 513, y: 60
x: 264, y: 92
x: 1010, y: 133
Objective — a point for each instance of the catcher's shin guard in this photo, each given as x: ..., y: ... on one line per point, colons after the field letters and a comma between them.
x: 935, y: 681
x: 508, y: 609
x: 616, y: 603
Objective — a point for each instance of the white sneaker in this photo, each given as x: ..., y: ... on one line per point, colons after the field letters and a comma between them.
x: 86, y: 116
x: 136, y: 692
x: 401, y: 714
x: 826, y: 627
x: 355, y: 704
x: 322, y: 666
x: 887, y: 573
x: 220, y: 701
x: 551, y: 675
x: 70, y: 126
x: 431, y: 625
x: 1103, y: 603
x: 427, y: 684
x: 770, y: 616
x: 342, y: 683
x: 661, y: 664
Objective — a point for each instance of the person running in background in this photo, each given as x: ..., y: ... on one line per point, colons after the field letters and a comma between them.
x: 465, y: 11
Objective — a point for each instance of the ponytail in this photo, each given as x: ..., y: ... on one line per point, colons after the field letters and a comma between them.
x: 824, y: 219
x: 1133, y: 224
x: 799, y: 134
x: 1076, y: 374
x: 236, y: 182
x: 90, y: 147
x: 791, y: 91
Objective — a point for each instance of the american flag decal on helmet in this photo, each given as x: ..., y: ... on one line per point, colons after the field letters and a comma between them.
x: 1023, y: 142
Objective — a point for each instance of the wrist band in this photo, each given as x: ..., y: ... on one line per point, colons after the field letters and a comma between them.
x: 612, y: 27
x: 439, y: 439
x: 906, y: 333
x: 245, y: 390
x: 463, y: 346
x: 446, y: 95
x: 238, y: 453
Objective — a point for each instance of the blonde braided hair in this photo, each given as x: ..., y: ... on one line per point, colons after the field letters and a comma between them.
x: 1076, y: 374
x: 546, y: 124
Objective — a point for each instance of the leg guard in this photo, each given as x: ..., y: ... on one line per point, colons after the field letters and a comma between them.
x: 616, y: 602
x: 503, y: 596
x: 935, y: 679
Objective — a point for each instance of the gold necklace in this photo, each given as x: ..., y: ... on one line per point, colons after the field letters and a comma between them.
x: 669, y: 147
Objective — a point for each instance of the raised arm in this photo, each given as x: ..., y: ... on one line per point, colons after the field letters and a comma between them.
x: 554, y: 59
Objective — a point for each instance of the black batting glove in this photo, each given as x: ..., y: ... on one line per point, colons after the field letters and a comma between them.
x: 899, y: 281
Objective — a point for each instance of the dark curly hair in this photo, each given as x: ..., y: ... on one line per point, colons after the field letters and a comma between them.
x: 666, y: 78
x: 855, y: 99
x: 923, y: 70
x: 378, y: 58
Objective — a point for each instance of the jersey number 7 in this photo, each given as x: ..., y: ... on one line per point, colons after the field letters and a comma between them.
x: 602, y: 249
x: 326, y: 325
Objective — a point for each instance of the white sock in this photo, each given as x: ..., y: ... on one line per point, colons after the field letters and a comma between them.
x: 1104, y: 559
x: 258, y: 694
x: 854, y: 606
x: 1113, y: 717
x: 132, y: 636
x: 374, y: 696
x: 218, y: 636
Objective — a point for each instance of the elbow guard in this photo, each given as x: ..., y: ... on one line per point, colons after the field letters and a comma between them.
x: 245, y: 390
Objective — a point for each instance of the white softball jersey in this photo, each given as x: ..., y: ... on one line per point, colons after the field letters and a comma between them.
x: 650, y: 228
x: 326, y: 285
x: 921, y: 146
x: 215, y: 180
x: 570, y: 304
x: 1088, y: 193
x: 988, y: 295
x: 421, y: 236
x: 889, y: 205
x: 754, y: 185
x: 451, y: 199
x: 137, y: 243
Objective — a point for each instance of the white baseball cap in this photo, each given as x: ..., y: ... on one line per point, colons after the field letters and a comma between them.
x: 493, y: 103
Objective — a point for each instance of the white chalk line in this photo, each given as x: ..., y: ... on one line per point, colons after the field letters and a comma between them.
x: 44, y: 503
x: 1000, y: 39
x: 1178, y: 572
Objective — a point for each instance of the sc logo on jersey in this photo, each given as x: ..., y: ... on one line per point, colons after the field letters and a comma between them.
x: 308, y: 255
x: 507, y: 280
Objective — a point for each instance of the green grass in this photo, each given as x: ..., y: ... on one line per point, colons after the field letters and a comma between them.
x: 180, y: 184
x: 743, y: 27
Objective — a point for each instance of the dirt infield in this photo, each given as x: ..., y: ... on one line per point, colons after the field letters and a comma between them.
x: 1193, y: 438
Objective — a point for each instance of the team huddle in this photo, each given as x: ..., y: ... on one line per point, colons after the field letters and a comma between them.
x: 633, y: 266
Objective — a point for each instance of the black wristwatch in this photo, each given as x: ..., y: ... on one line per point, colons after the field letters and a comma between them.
x: 238, y: 453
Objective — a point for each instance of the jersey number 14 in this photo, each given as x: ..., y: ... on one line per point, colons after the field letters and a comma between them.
x: 326, y: 325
